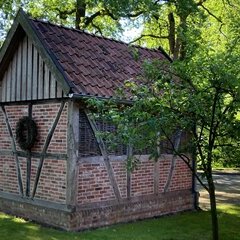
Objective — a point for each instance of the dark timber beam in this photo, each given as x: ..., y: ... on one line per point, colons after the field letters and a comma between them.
x: 173, y: 162
x: 104, y: 153
x: 14, y: 149
x: 129, y: 155
x: 156, y: 177
x: 157, y: 166
x: 72, y: 152
x: 29, y: 159
x: 45, y: 147
x: 37, y: 202
x: 58, y: 156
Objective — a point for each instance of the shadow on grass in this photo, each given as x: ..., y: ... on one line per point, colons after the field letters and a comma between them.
x: 189, y: 225
x: 229, y: 220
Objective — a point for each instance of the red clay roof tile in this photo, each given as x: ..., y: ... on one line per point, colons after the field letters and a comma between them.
x: 94, y: 65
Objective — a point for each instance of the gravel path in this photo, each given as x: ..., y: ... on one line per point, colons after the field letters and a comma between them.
x: 227, y: 189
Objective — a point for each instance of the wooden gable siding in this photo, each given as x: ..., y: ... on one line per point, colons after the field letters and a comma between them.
x: 28, y: 77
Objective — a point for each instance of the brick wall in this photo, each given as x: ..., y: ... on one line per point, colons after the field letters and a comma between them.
x: 142, y: 179
x: 182, y: 176
x: 52, y: 183
x: 120, y: 173
x: 44, y: 115
x: 8, y: 175
x: 96, y: 201
x: 94, y: 184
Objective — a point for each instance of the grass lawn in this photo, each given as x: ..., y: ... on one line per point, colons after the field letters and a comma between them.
x: 185, y: 226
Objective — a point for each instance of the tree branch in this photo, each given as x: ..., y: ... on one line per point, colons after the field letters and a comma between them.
x: 63, y: 14
x: 225, y: 145
x: 199, y: 149
x: 220, y: 30
x: 110, y: 15
x: 90, y: 19
x: 201, y: 2
x: 148, y: 35
x: 230, y: 4
x: 201, y: 132
x: 212, y: 130
x: 98, y: 28
x: 133, y: 15
x: 186, y: 160
x: 102, y: 12
x: 80, y: 12
x: 210, y: 13
x: 222, y: 115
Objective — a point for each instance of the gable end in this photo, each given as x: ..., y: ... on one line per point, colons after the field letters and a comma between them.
x: 28, y: 77
x: 22, y: 26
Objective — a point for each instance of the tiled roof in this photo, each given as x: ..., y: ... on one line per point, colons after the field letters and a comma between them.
x: 91, y: 64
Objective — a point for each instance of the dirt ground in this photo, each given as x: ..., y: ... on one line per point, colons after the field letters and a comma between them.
x: 227, y: 189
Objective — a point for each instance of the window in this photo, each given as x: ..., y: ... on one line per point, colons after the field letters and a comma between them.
x: 88, y: 145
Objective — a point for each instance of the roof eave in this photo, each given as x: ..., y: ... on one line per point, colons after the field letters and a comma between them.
x: 76, y: 96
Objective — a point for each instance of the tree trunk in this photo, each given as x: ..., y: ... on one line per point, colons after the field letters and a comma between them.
x: 80, y: 12
x: 171, y: 38
x: 183, y: 32
x: 215, y: 234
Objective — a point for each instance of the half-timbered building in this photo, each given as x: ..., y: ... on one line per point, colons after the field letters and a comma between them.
x: 64, y: 176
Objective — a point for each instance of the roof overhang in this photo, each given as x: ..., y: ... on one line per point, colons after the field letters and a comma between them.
x: 76, y: 96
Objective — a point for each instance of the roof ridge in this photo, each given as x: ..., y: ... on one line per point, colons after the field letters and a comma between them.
x: 159, y: 49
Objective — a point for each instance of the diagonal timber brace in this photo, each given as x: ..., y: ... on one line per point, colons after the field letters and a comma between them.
x: 45, y: 147
x: 104, y: 153
x: 173, y: 162
x: 14, y: 150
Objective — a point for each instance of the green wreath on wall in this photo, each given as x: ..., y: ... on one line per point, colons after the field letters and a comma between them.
x: 26, y: 133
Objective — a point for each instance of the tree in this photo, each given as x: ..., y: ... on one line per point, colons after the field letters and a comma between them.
x: 171, y: 23
x: 198, y: 93
x: 101, y: 17
x: 81, y: 14
x: 200, y: 96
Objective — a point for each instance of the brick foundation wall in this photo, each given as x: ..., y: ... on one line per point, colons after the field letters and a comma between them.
x: 52, y: 183
x: 99, y: 216
x: 42, y: 213
x: 131, y: 210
